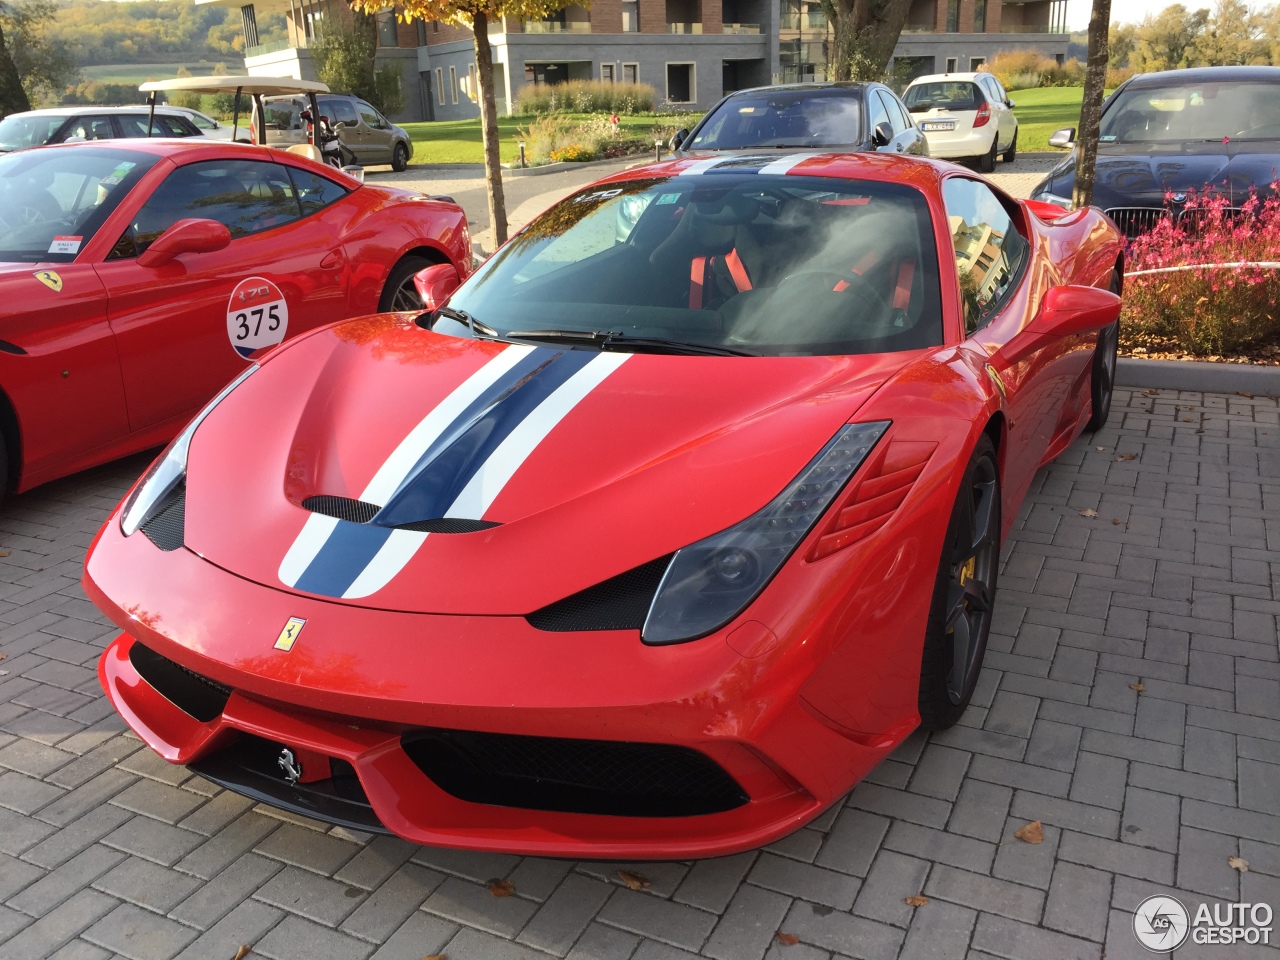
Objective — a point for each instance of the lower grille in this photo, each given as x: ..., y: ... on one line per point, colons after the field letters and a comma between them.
x: 168, y: 528
x: 249, y: 766
x: 1133, y: 221
x: 619, y: 603
x: 574, y: 776
x: 194, y: 695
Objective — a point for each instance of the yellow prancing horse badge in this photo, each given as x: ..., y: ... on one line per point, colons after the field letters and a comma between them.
x: 290, y: 633
x: 50, y: 279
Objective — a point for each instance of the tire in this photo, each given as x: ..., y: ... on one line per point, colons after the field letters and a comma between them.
x: 1102, y: 374
x: 963, y: 594
x: 1012, y: 153
x: 987, y: 162
x: 399, y: 292
x: 400, y: 158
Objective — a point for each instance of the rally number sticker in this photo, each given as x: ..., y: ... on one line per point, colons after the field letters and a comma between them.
x: 257, y: 317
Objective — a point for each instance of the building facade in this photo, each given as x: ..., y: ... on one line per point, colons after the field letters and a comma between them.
x: 692, y: 52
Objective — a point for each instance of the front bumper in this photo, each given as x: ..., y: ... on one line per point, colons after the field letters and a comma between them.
x: 359, y: 684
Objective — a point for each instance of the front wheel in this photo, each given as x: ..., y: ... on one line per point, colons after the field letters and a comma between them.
x: 400, y: 158
x: 1012, y: 153
x: 399, y: 293
x: 1102, y: 374
x: 987, y: 162
x: 963, y: 594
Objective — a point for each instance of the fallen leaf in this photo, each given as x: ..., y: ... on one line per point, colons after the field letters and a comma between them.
x: 633, y: 881
x: 243, y: 952
x: 1101, y: 448
x: 1139, y: 687
x: 1088, y: 512
x: 1238, y: 863
x: 5, y: 553
x: 1116, y: 523
x: 1188, y: 420
x: 1150, y: 393
x: 1201, y: 430
x: 437, y: 956
x: 916, y: 901
x: 1033, y: 832
x: 786, y: 939
x: 1244, y: 393
x: 1126, y: 456
x: 502, y: 888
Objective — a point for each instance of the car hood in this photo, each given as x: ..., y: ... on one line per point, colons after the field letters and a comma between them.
x: 1139, y: 176
x: 581, y: 464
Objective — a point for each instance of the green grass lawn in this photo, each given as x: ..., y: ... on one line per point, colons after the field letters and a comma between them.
x: 458, y: 141
x: 1043, y: 110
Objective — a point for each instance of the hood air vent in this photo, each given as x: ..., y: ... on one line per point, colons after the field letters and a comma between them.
x: 358, y: 511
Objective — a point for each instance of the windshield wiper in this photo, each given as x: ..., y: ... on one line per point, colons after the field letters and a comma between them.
x: 607, y: 339
x: 479, y: 329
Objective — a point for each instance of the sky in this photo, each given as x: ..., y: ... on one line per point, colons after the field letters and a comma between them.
x: 1128, y: 11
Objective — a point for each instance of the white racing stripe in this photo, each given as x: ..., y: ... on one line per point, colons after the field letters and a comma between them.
x: 386, y: 563
x: 488, y: 481
x: 784, y: 164
x: 702, y: 166
x: 305, y: 547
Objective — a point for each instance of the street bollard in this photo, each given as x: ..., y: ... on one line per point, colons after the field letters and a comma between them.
x: 657, y: 149
x: 522, y: 163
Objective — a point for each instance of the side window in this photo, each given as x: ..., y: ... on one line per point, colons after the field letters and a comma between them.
x: 896, y: 119
x: 314, y: 191
x: 990, y: 252
x: 369, y: 115
x: 89, y: 128
x: 877, y: 112
x: 248, y: 196
x: 169, y: 126
x: 341, y: 110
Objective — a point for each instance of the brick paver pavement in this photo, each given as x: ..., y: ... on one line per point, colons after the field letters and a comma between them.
x: 1173, y: 586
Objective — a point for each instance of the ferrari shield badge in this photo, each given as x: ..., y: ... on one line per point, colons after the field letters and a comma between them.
x: 50, y: 279
x: 995, y: 378
x: 290, y: 634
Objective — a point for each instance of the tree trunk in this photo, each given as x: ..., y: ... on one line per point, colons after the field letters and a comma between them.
x: 1095, y: 82
x: 13, y: 99
x: 489, y: 130
x: 864, y: 33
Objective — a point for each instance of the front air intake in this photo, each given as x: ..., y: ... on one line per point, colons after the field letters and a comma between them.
x: 619, y: 603
x: 574, y: 776
x: 194, y: 695
x: 168, y: 528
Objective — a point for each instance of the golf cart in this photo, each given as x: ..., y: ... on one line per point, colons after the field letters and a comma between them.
x: 318, y: 142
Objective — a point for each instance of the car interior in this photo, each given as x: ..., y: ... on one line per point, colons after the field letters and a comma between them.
x: 765, y: 265
x: 1204, y: 112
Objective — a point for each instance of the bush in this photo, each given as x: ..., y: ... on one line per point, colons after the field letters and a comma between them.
x: 1206, y: 312
x: 1024, y: 69
x: 1118, y: 75
x: 586, y: 96
x: 573, y: 153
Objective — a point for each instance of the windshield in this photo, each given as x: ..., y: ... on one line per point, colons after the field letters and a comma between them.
x: 1235, y: 110
x: 792, y: 118
x: 29, y: 130
x: 760, y: 264
x: 52, y: 201
x: 946, y: 94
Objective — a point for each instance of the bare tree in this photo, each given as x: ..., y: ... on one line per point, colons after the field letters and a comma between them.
x: 1095, y: 82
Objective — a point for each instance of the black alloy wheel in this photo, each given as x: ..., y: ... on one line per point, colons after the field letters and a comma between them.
x: 1102, y: 375
x: 399, y: 292
x: 964, y: 594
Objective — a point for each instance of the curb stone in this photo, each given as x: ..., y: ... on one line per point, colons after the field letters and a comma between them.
x: 1197, y: 375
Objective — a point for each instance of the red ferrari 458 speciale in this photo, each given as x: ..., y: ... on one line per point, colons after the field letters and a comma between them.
x: 649, y: 541
x: 139, y: 276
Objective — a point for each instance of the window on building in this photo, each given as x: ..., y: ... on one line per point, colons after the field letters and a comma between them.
x: 386, y: 21
x: 453, y: 84
x: 979, y: 16
x: 975, y: 63
x: 421, y: 27
x: 953, y: 16
x: 606, y: 72
x: 473, y: 83
x: 439, y: 87
x: 631, y: 73
x: 630, y: 16
x: 681, y: 83
x: 951, y: 65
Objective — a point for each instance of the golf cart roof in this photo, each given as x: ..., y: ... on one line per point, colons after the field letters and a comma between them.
x: 253, y: 86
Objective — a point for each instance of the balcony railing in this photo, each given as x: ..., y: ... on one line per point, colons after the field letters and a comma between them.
x: 555, y: 26
x: 804, y: 21
x: 753, y: 28
x: 275, y: 46
x: 684, y: 28
x: 1024, y: 28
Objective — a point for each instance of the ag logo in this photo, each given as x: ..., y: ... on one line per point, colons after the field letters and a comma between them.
x: 1161, y: 923
x: 50, y: 279
x: 257, y: 317
x: 289, y: 635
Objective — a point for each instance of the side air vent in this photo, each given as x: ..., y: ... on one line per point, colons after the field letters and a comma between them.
x: 619, y: 603
x: 191, y: 693
x: 168, y: 528
x: 358, y: 511
x: 574, y: 776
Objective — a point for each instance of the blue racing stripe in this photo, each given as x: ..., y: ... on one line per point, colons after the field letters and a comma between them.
x: 348, y: 550
x: 448, y: 465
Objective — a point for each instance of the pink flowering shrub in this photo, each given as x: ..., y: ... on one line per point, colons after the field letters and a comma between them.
x: 1206, y: 311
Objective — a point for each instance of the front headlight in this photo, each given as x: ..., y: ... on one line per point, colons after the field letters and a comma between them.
x: 1063, y: 202
x: 169, y: 469
x: 708, y: 583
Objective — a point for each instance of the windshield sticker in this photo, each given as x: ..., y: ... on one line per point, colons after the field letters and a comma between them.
x: 50, y: 279
x: 257, y: 317
x: 1106, y: 139
x: 668, y: 198
x: 65, y: 245
x: 119, y: 173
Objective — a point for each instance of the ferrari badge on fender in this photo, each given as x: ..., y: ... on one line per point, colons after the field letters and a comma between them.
x: 50, y: 279
x: 290, y: 633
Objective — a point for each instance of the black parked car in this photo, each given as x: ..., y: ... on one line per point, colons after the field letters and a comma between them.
x: 1164, y: 136
x: 851, y: 117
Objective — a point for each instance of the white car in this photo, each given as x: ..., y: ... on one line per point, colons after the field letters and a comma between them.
x: 210, y: 127
x: 964, y: 116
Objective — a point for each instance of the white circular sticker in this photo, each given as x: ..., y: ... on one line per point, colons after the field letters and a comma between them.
x: 257, y: 317
x: 1160, y: 923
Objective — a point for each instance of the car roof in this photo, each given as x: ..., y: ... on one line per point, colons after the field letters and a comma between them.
x: 935, y: 77
x: 1205, y: 75
x: 852, y: 86
x: 185, y: 147
x: 79, y: 111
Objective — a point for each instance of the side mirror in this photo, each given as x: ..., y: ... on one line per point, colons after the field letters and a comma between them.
x: 883, y: 134
x: 192, y: 235
x: 1063, y: 139
x: 679, y: 137
x: 1010, y: 104
x: 435, y: 284
x: 1069, y: 310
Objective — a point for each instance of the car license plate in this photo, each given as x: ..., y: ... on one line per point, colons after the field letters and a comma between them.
x: 938, y: 125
